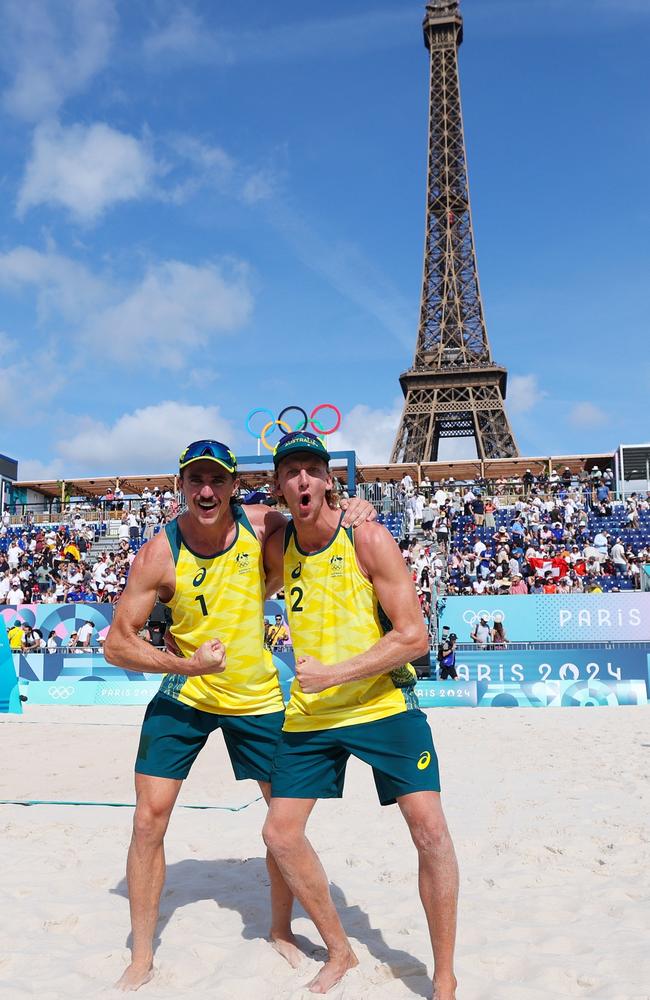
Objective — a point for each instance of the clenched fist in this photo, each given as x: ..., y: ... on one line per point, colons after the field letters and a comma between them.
x: 209, y: 658
x: 312, y: 675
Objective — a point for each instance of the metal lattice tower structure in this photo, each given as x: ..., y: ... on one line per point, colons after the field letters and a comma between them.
x: 453, y: 389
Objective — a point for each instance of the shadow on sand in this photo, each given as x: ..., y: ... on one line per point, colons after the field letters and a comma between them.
x: 223, y: 879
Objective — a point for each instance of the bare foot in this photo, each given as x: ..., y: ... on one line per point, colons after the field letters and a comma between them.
x: 134, y: 977
x: 444, y: 989
x: 333, y: 972
x: 287, y: 946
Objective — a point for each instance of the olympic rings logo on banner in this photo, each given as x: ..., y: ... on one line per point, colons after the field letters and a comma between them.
x: 474, y: 617
x: 285, y: 427
x: 60, y: 692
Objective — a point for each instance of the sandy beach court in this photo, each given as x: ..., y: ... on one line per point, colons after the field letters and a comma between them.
x: 549, y: 809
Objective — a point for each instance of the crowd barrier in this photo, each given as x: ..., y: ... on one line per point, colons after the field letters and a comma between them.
x: 613, y: 673
x: 563, y: 618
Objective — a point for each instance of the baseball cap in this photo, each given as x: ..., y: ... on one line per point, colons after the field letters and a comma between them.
x: 299, y: 441
x: 213, y: 451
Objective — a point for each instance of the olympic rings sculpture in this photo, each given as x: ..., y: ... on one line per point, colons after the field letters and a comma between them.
x: 286, y: 428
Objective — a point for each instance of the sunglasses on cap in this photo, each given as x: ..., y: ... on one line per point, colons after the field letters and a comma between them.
x: 213, y: 451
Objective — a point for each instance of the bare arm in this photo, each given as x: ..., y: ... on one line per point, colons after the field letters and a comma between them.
x: 380, y: 559
x: 152, y: 574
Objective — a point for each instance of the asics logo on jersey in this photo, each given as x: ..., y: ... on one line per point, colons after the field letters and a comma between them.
x: 200, y: 577
x: 295, y: 573
x: 424, y: 761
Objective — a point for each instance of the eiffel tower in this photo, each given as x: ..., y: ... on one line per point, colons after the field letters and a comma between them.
x: 453, y: 389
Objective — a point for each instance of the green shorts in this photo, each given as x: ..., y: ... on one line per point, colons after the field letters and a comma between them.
x: 173, y: 734
x: 399, y: 748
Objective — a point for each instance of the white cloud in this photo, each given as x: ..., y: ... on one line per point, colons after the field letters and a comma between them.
x: 260, y: 186
x: 63, y: 286
x: 523, y: 393
x: 7, y: 345
x: 174, y: 308
x: 51, y: 50
x: 28, y: 385
x: 457, y: 449
x: 368, y: 432
x: 185, y: 36
x: 85, y: 169
x: 585, y: 414
x: 149, y: 440
x: 32, y: 469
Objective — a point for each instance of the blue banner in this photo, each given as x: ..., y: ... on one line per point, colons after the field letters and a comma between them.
x: 541, y: 694
x: 9, y: 696
x: 70, y: 691
x: 446, y: 694
x: 554, y: 663
x: 564, y: 618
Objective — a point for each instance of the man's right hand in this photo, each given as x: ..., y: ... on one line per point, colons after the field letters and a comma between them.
x: 209, y: 658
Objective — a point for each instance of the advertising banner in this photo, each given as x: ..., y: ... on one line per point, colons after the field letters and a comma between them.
x: 446, y: 694
x: 70, y: 691
x: 553, y: 663
x: 61, y: 619
x: 540, y: 694
x: 9, y: 697
x: 85, y: 678
x: 563, y: 618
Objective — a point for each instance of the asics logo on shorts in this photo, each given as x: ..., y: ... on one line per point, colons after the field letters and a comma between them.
x: 424, y: 761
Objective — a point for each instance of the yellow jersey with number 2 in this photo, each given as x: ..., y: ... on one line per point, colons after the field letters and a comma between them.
x: 333, y: 615
x: 222, y: 597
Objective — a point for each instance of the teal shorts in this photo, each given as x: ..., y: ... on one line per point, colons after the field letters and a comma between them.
x: 399, y: 748
x: 173, y: 734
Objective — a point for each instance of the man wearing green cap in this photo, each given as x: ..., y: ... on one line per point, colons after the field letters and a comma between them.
x: 355, y: 624
x: 207, y: 566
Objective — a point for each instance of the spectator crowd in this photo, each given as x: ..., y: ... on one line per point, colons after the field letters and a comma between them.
x: 530, y: 535
x: 68, y: 562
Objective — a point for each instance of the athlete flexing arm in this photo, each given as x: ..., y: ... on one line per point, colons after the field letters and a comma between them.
x: 380, y: 561
x: 151, y: 577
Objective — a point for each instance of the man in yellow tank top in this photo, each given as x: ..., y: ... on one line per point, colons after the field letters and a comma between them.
x: 355, y: 623
x: 207, y: 566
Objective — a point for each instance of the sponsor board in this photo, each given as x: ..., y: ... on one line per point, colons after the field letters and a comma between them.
x: 70, y: 691
x: 540, y: 694
x: 554, y: 663
x: 563, y: 618
x: 9, y: 694
x: 446, y: 694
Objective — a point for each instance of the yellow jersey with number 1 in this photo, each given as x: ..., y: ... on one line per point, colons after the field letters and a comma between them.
x: 333, y: 615
x: 222, y: 597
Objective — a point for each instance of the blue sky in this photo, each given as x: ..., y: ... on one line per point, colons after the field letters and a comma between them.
x: 208, y: 207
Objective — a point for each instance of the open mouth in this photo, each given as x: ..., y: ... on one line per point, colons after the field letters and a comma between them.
x: 305, y: 500
x: 207, y: 505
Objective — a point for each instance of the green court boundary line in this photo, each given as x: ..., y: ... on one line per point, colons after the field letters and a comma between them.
x: 118, y: 805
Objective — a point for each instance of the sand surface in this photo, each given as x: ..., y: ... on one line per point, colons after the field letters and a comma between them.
x: 549, y: 809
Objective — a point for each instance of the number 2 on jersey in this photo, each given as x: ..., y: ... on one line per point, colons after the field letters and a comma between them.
x: 298, y: 591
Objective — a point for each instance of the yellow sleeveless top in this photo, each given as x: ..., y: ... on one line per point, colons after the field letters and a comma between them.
x: 222, y: 596
x: 333, y: 615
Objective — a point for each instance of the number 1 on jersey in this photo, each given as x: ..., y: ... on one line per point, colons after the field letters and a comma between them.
x: 201, y: 599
